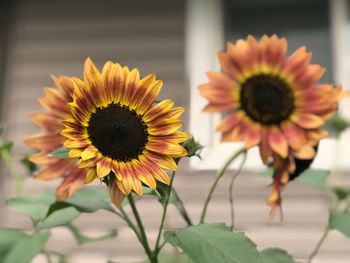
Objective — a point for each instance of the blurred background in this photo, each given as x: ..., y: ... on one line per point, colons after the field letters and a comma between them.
x: 177, y: 40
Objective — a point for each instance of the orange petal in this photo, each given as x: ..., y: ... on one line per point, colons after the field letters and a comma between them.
x: 252, y: 136
x: 277, y: 142
x: 73, y: 181
x: 159, y: 109
x: 295, y: 135
x: 45, y: 141
x: 305, y: 153
x: 166, y: 148
x: 264, y: 148
x: 55, y: 170
x: 46, y: 121
x: 230, y: 121
x: 219, y: 108
x: 163, y: 161
x: 307, y: 121
x: 115, y: 194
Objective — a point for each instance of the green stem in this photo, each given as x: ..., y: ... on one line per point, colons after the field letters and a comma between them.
x: 6, y: 157
x: 131, y: 225
x: 142, y: 230
x: 220, y: 173
x: 319, y: 244
x: 181, y: 208
x: 233, y: 178
x: 165, y: 208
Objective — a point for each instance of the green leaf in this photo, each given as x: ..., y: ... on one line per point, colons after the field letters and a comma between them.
x: 83, y: 239
x: 276, y: 255
x: 61, y: 153
x: 166, y: 257
x: 315, y: 178
x: 193, y: 147
x: 29, y: 165
x: 266, y: 172
x: 35, y: 206
x: 59, y: 214
x: 341, y: 192
x: 90, y: 199
x: 8, y: 238
x: 337, y: 124
x: 208, y: 243
x: 341, y: 222
x: 6, y: 147
x: 27, y: 248
x: 312, y: 177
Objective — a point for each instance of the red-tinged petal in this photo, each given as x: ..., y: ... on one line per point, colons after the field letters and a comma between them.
x: 74, y: 135
x: 143, y: 174
x: 131, y: 88
x: 55, y: 170
x: 115, y: 194
x: 161, y: 108
x: 103, y: 167
x: 127, y: 178
x: 166, y: 148
x: 312, y: 74
x: 148, y: 89
x: 160, y: 175
x: 137, y: 186
x: 155, y: 170
x: 295, y: 135
x: 297, y: 61
x: 220, y: 80
x: 307, y: 121
x: 162, y: 161
x: 216, y: 96
x: 75, y: 144
x: 228, y: 67
x: 165, y: 129
x: 42, y: 158
x: 65, y: 85
x: 146, y: 101
x: 169, y: 117
x: 252, y: 136
x: 47, y: 121
x: 219, y: 108
x: 71, y: 184
x: 277, y: 142
x: 230, y: 121
x: 176, y: 137
x: 46, y: 142
x: 264, y: 148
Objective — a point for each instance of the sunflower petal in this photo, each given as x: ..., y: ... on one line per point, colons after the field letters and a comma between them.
x: 277, y: 142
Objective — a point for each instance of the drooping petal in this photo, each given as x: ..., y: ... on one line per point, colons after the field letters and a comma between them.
x: 277, y: 141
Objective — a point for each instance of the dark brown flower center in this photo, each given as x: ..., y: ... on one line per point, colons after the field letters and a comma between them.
x: 117, y: 132
x: 267, y: 99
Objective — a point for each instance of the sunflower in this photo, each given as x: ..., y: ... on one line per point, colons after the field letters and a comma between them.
x: 55, y: 102
x: 272, y: 101
x: 116, y: 129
